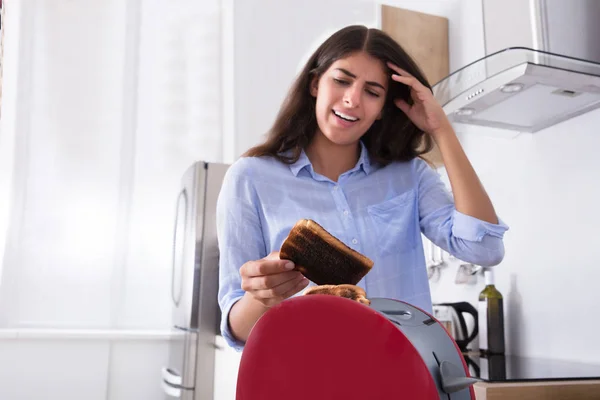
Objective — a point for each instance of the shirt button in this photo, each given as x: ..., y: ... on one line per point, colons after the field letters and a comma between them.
x: 336, y: 187
x: 354, y: 241
x: 346, y: 212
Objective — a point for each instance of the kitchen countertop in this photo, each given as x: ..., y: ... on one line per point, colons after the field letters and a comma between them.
x: 511, y: 368
x: 541, y: 390
x: 530, y: 378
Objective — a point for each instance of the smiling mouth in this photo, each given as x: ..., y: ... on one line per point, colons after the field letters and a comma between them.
x: 344, y: 116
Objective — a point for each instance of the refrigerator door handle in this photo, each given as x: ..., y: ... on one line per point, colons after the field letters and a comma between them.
x: 182, y: 194
x: 170, y: 377
x: 170, y: 390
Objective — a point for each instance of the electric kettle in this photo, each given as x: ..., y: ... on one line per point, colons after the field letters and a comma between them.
x: 451, y: 315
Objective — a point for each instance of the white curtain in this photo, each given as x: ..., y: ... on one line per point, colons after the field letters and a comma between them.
x: 117, y: 99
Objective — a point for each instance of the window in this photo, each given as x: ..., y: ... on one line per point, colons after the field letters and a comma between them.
x: 119, y: 98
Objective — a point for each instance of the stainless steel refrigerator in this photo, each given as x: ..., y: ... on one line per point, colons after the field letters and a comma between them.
x: 194, y: 286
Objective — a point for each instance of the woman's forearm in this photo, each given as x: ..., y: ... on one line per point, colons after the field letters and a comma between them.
x: 469, y: 195
x: 243, y: 315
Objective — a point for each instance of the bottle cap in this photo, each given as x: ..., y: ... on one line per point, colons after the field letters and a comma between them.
x: 488, y: 273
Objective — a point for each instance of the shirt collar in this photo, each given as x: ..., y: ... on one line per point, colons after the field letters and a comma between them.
x: 364, y: 162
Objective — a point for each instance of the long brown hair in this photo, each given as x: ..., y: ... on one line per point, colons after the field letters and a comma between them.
x: 392, y: 138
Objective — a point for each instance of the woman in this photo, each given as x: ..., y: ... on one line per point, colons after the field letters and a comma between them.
x: 344, y: 151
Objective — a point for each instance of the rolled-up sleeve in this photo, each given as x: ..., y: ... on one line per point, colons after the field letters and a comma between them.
x: 473, y: 229
x: 465, y: 237
x: 240, y: 240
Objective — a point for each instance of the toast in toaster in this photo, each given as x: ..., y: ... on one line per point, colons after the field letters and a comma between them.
x: 321, y: 257
x: 351, y: 292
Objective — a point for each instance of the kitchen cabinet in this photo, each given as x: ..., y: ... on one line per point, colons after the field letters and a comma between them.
x: 425, y: 38
x: 546, y: 390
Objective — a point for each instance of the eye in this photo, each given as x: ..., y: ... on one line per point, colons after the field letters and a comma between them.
x: 372, y: 93
x: 340, y: 82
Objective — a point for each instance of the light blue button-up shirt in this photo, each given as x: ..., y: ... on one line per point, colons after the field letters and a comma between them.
x: 377, y: 211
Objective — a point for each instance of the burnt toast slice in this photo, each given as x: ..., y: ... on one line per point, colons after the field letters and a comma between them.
x: 321, y: 257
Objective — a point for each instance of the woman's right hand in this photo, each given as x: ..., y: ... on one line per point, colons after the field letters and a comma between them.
x: 271, y: 280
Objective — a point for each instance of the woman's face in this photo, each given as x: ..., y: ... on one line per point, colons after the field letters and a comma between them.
x: 349, y: 97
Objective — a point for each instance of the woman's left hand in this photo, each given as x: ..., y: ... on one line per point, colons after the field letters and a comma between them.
x: 425, y: 112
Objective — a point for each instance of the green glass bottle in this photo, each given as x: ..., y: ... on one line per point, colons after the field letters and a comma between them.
x: 491, y: 317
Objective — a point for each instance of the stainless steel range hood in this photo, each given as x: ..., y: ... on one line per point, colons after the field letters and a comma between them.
x: 542, y: 66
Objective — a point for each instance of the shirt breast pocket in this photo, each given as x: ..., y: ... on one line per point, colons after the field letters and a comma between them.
x: 394, y: 223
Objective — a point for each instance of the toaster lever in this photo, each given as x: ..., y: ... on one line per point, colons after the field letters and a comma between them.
x: 453, y: 377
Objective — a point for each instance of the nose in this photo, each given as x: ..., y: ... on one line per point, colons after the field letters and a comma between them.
x: 352, y: 97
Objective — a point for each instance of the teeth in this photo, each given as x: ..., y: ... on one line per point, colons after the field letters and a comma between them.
x: 344, y: 116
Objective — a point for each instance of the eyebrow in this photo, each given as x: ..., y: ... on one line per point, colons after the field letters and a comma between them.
x: 350, y: 74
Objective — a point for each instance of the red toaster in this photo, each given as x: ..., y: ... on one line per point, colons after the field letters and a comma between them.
x: 329, y: 347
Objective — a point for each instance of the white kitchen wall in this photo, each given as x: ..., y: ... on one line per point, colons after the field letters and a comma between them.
x: 544, y: 185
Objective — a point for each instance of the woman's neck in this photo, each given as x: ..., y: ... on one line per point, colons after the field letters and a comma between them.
x: 330, y: 159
